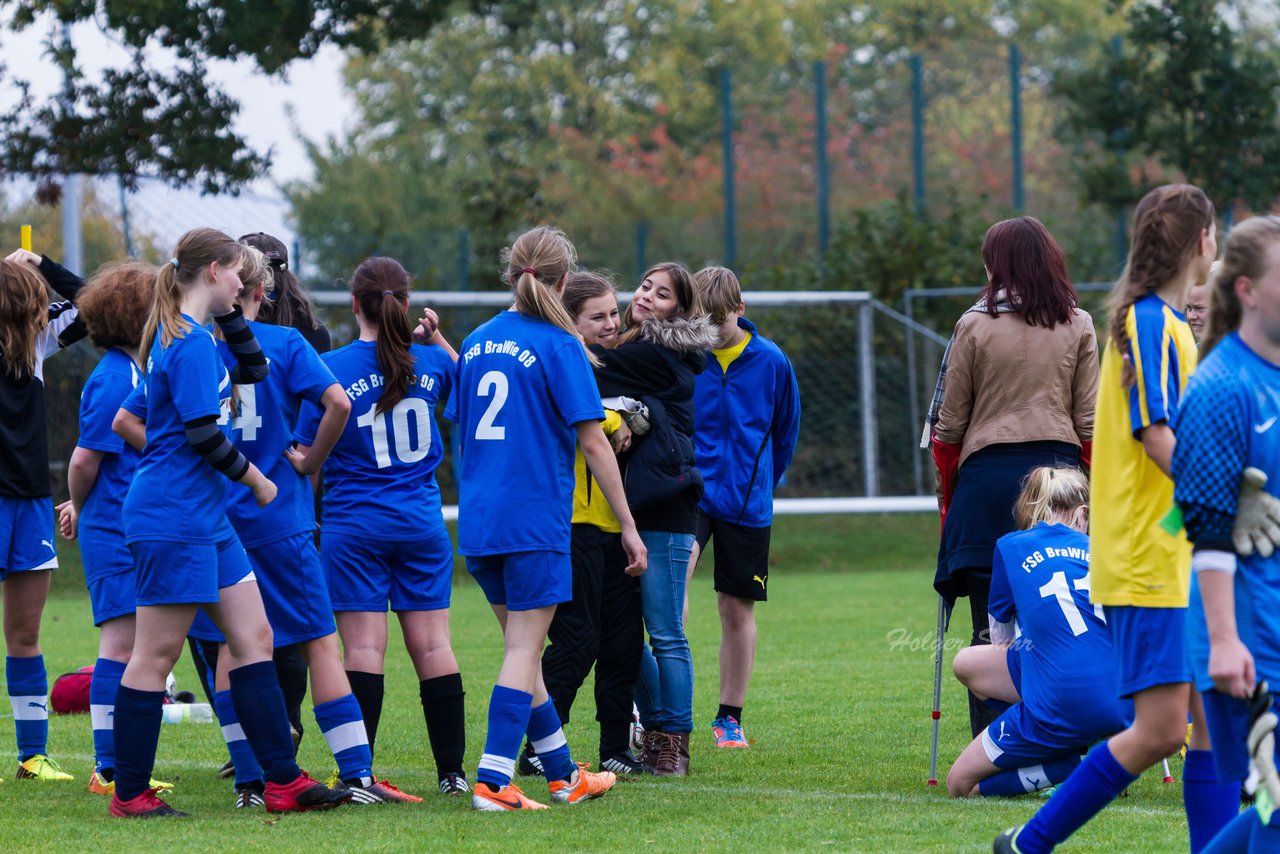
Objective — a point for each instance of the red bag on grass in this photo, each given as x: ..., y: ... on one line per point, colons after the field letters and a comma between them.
x: 70, y: 695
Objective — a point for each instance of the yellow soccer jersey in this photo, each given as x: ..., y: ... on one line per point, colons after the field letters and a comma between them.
x: 589, y: 504
x: 1134, y: 560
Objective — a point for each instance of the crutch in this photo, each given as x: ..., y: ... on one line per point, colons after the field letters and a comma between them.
x: 937, y: 691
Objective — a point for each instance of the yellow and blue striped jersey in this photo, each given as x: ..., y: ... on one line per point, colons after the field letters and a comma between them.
x: 1135, y: 561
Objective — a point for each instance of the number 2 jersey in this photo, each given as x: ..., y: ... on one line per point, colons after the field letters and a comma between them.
x: 1230, y: 420
x: 380, y: 477
x: 1041, y: 576
x: 522, y: 386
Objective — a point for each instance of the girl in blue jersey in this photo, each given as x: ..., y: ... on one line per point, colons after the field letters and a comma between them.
x: 525, y: 393
x: 31, y: 330
x: 657, y: 361
x: 186, y: 555
x: 98, y: 478
x: 1057, y: 667
x: 1227, y: 424
x: 383, y: 538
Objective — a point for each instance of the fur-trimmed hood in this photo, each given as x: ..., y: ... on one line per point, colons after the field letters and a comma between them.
x: 684, y: 335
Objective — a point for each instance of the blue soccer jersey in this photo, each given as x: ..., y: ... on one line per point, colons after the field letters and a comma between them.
x: 380, y: 477
x: 1041, y: 577
x: 176, y: 496
x: 262, y: 428
x: 100, y: 529
x: 522, y: 386
x: 1230, y: 420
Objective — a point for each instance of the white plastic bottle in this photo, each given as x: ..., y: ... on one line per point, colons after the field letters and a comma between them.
x: 196, y: 713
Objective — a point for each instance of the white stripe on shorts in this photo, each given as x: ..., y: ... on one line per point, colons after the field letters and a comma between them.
x: 100, y: 716
x: 346, y: 736
x: 993, y: 751
x: 550, y: 743
x: 233, y: 732
x: 247, y: 578
x: 32, y: 708
x: 504, y: 766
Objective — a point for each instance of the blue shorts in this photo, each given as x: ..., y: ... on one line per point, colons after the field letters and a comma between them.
x: 293, y: 589
x: 1010, y: 741
x: 1150, y: 646
x: 365, y: 573
x: 1228, y: 720
x: 26, y: 535
x: 170, y: 573
x: 1013, y: 660
x: 112, y: 596
x: 523, y: 581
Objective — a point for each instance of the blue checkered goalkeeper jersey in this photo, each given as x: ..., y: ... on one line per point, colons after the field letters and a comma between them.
x: 1230, y: 419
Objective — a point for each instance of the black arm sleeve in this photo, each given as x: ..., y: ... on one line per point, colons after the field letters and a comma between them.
x: 215, y: 448
x: 632, y: 369
x: 62, y: 280
x: 251, y: 363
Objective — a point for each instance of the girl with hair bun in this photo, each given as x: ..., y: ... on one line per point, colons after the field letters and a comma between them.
x: 31, y: 330
x: 383, y: 538
x: 525, y: 393
x: 1141, y: 573
x: 1055, y: 665
x: 186, y: 468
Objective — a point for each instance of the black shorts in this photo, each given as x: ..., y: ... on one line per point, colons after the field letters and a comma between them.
x: 742, y: 557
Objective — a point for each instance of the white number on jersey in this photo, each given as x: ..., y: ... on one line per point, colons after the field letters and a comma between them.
x: 495, y: 383
x: 248, y: 420
x: 1057, y: 587
x: 414, y: 408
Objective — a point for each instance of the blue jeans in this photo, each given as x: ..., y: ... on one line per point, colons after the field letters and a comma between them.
x: 664, y: 692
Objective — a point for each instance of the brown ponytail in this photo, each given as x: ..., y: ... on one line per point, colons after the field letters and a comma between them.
x: 1246, y: 254
x: 534, y: 265
x: 381, y: 286
x: 196, y: 250
x: 1167, y: 225
x: 24, y: 313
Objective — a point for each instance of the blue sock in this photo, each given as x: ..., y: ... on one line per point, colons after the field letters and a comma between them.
x: 102, y: 705
x: 1210, y: 805
x: 259, y: 705
x: 1008, y: 784
x: 508, y: 716
x: 29, y: 695
x: 136, y: 726
x: 246, y: 764
x: 343, y: 727
x: 547, y: 738
x: 1096, y: 783
x: 1235, y: 837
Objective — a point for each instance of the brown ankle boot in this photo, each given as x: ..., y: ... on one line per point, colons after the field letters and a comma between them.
x: 652, y: 743
x: 673, y: 755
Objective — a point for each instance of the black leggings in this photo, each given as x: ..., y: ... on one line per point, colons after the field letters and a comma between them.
x: 978, y: 584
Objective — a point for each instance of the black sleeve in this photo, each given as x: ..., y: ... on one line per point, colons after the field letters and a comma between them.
x: 66, y: 283
x: 251, y: 363
x: 632, y: 369
x: 215, y: 448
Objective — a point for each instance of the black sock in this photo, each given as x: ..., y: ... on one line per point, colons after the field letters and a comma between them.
x: 444, y: 708
x: 734, y: 712
x: 368, y: 688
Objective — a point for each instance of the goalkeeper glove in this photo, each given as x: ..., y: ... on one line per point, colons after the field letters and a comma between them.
x: 1257, y: 526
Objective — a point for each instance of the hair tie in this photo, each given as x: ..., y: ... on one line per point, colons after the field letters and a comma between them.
x: 174, y: 262
x: 529, y: 270
x: 388, y: 294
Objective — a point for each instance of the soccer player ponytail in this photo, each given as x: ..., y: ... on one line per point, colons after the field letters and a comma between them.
x: 535, y: 264
x: 196, y: 250
x: 24, y: 304
x: 381, y: 286
x: 1247, y: 254
x: 1051, y: 495
x: 1167, y: 225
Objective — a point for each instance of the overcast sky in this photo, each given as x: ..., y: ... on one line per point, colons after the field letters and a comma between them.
x: 312, y: 90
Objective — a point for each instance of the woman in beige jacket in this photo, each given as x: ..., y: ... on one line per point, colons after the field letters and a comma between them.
x: 1016, y: 391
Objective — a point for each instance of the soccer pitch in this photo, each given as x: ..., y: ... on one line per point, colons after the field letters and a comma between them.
x: 838, y: 714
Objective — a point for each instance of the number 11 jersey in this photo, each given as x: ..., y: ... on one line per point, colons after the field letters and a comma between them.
x: 380, y: 477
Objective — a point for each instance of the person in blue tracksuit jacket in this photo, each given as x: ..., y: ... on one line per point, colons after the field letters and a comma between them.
x: 747, y: 420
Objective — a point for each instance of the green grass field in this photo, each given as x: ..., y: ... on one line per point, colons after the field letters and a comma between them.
x: 838, y: 711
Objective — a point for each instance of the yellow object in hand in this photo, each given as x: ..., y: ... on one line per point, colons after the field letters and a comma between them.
x: 26, y: 237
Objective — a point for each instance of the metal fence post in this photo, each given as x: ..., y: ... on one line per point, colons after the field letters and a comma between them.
x: 726, y: 134
x: 917, y: 130
x: 824, y: 177
x: 867, y: 370
x: 1015, y: 121
x: 124, y: 217
x: 913, y: 391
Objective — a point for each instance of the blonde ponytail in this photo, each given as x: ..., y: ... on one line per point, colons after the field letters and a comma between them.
x: 1247, y: 254
x: 535, y: 264
x: 196, y: 250
x: 1050, y: 494
x: 166, y: 314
